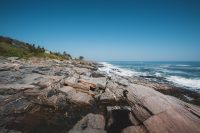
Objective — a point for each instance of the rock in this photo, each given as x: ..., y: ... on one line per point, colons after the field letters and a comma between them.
x: 98, y: 75
x: 148, y: 98
x: 151, y: 103
x: 50, y: 81
x: 9, y: 131
x: 82, y: 71
x: 70, y: 81
x: 123, y: 82
x: 173, y: 120
x: 67, y: 90
x: 141, y: 113
x: 88, y: 130
x: 9, y: 66
x: 12, y: 58
x: 57, y: 101
x: 46, y: 95
x: 15, y: 88
x: 100, y: 82
x: 91, y: 123
x: 76, y: 97
x: 31, y: 78
x: 14, y: 105
x: 81, y: 99
x: 87, y: 84
x: 107, y: 96
x: 134, y: 129
x: 118, y: 118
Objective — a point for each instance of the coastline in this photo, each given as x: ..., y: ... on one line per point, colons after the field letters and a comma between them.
x: 167, y: 87
x: 39, y: 95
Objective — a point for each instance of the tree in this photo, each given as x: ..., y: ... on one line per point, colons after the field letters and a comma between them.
x: 67, y: 56
x: 43, y: 49
x: 81, y: 58
x: 65, y: 53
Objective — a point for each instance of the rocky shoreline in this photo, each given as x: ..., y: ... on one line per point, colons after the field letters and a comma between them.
x: 40, y: 95
x: 167, y: 88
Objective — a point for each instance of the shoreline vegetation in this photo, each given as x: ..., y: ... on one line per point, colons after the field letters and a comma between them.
x: 14, y: 48
x: 55, y: 93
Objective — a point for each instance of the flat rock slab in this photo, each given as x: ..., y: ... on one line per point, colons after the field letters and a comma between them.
x: 17, y: 86
x: 173, y: 121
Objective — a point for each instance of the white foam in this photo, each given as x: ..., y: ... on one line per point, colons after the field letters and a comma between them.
x: 111, y: 69
x: 158, y: 74
x: 192, y: 83
x: 180, y: 65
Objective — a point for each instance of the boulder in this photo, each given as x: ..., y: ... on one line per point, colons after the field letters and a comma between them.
x: 80, y: 98
x: 70, y: 81
x: 98, y: 74
x: 107, y: 96
x: 100, y: 83
x: 68, y: 90
x: 76, y: 97
x: 91, y: 123
x: 50, y: 81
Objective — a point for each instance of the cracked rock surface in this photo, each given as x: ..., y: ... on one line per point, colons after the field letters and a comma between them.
x: 39, y: 95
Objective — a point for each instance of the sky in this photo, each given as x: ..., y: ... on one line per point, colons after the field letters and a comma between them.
x: 107, y: 30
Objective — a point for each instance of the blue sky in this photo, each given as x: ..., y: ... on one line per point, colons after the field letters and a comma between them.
x: 140, y: 30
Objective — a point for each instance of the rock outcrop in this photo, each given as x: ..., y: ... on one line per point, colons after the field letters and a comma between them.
x: 39, y: 95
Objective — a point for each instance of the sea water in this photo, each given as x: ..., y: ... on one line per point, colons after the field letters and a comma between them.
x: 181, y: 74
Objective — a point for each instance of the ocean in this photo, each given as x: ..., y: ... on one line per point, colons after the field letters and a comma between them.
x: 180, y: 74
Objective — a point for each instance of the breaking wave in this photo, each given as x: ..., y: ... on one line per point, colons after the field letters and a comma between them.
x: 191, y: 83
x: 111, y: 69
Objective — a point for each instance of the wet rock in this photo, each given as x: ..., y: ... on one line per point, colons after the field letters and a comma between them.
x: 91, y: 123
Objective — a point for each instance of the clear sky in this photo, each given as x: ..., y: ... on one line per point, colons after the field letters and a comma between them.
x: 141, y: 30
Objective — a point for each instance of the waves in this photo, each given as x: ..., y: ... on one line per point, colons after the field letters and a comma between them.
x: 181, y: 65
x: 160, y: 72
x: 111, y: 69
x: 191, y: 83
